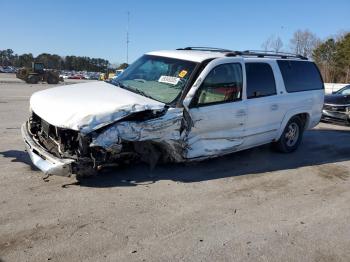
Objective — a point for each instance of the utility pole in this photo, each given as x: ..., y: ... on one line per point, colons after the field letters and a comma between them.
x: 127, y: 39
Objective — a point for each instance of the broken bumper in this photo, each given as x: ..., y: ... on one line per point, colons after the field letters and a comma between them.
x: 337, y: 117
x: 43, y: 160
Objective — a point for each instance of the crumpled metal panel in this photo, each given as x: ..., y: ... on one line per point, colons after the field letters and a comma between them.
x: 164, y: 129
x: 89, y: 106
x: 203, y: 148
x: 206, y: 145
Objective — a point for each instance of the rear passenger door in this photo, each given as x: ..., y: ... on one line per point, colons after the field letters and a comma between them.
x: 264, y: 114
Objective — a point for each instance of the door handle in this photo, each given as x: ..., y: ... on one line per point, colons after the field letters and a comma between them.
x: 274, y: 107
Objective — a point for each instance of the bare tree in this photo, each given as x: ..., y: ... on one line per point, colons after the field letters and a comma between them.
x: 277, y: 44
x: 303, y: 42
x: 267, y: 43
x: 272, y: 44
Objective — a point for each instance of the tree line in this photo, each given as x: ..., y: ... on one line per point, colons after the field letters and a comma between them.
x: 52, y: 61
x: 332, y: 55
x: 333, y: 58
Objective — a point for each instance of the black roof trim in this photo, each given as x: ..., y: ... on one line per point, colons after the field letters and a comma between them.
x: 200, y: 48
x: 256, y: 53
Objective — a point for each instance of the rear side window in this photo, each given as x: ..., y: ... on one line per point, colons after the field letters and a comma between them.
x: 300, y: 76
x: 260, y: 80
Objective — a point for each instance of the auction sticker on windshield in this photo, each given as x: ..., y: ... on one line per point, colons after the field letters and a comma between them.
x: 183, y: 73
x: 172, y: 80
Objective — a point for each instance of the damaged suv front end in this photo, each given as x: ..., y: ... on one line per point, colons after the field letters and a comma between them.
x: 79, y: 129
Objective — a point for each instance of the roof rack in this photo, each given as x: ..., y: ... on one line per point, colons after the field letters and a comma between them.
x: 210, y: 49
x: 256, y: 53
x: 262, y: 54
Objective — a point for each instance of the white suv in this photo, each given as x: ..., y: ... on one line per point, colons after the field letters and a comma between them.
x: 179, y: 105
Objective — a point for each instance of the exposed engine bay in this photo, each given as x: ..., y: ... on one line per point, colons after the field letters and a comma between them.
x: 149, y: 136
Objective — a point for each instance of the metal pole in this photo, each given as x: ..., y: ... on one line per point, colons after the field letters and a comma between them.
x: 127, y: 39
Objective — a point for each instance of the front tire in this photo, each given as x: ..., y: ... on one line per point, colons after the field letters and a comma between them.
x: 291, y: 136
x: 52, y: 80
x: 33, y: 79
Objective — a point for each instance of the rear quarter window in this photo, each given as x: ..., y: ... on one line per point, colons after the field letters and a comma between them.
x: 300, y: 76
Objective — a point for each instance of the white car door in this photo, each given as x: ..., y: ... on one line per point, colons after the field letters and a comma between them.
x: 265, y: 112
x: 216, y: 109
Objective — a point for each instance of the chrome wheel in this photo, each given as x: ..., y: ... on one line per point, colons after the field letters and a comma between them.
x: 292, y: 134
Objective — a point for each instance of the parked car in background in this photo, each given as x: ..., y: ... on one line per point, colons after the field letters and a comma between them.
x: 91, y: 75
x: 64, y: 76
x: 8, y: 69
x: 76, y: 76
x: 337, y: 106
x: 179, y: 105
x: 95, y: 76
x: 331, y: 88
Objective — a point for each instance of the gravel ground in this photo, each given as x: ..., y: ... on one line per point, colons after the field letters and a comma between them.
x: 255, y: 205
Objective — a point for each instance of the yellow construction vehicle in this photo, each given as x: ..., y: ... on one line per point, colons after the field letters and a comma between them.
x: 37, y: 73
x: 108, y: 75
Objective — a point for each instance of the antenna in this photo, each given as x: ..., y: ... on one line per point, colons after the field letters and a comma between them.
x: 127, y: 39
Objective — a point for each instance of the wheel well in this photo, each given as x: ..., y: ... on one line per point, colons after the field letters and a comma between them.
x: 304, y: 117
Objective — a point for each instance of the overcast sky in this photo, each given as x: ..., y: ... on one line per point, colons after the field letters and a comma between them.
x: 98, y: 28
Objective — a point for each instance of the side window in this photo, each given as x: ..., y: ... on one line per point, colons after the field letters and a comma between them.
x: 300, y: 76
x: 260, y: 80
x: 223, y: 84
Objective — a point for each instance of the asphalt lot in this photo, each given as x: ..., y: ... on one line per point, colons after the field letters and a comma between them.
x: 255, y: 205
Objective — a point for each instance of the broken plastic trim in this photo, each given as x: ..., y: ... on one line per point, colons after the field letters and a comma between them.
x: 46, y: 162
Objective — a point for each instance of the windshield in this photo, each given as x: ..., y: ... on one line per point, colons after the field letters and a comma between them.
x: 159, y: 78
x: 344, y: 91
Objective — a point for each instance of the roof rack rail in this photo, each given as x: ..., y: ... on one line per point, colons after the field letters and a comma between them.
x: 256, y: 53
x: 201, y: 48
x: 259, y: 53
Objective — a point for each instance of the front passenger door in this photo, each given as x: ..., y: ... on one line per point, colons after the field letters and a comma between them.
x: 217, y: 112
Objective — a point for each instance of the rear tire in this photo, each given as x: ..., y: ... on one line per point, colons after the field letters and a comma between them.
x: 291, y: 136
x: 52, y: 80
x: 32, y: 79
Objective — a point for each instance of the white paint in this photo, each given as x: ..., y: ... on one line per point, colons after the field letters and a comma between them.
x: 217, y: 129
x: 88, y: 106
x: 229, y: 127
x: 211, y: 130
x: 189, y: 55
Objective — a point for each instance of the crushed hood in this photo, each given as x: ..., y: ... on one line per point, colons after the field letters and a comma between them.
x: 88, y: 106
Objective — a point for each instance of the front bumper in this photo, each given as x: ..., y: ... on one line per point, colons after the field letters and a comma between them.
x: 335, y: 116
x: 43, y: 160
